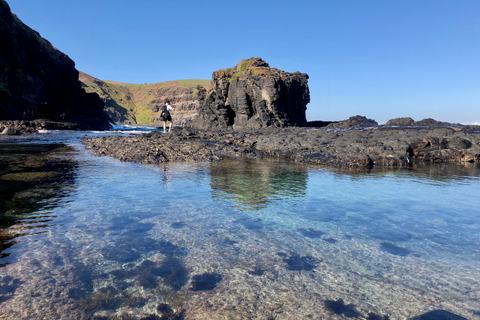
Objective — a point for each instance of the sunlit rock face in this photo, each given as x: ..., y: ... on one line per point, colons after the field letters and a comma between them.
x: 253, y: 95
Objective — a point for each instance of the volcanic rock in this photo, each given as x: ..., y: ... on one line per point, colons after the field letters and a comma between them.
x: 406, y: 121
x: 352, y: 148
x: 253, y: 95
x: 37, y: 80
x: 353, y: 122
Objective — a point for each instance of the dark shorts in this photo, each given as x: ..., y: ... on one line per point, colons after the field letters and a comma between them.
x: 167, y: 118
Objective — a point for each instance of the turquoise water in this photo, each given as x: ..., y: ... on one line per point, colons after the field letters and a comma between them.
x: 241, y: 239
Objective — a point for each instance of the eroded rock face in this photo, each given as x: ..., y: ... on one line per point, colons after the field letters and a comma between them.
x: 38, y: 79
x: 253, y: 95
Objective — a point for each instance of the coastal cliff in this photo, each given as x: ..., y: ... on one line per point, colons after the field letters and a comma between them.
x: 39, y: 81
x: 253, y: 95
x: 128, y: 103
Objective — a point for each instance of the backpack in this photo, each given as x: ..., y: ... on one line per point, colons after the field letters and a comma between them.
x: 165, y: 113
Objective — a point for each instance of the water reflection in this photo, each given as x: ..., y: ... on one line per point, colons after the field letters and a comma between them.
x: 33, y: 177
x: 440, y: 172
x: 253, y: 184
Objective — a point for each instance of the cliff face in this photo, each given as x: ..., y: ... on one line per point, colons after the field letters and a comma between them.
x: 37, y: 77
x: 253, y: 95
x: 128, y: 103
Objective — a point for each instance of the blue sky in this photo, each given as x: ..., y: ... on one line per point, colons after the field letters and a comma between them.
x: 380, y: 59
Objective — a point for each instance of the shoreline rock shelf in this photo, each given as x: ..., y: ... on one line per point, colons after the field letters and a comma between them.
x: 381, y: 146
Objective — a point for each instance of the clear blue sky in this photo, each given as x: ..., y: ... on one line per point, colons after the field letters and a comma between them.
x: 381, y: 59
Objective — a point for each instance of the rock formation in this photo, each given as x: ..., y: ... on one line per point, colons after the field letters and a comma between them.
x: 353, y: 122
x: 38, y: 79
x: 128, y: 103
x: 253, y: 95
x: 381, y: 146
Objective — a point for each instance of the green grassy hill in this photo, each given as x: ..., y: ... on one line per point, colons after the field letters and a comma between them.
x: 128, y: 103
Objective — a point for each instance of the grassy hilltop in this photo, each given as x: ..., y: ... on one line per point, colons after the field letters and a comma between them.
x: 128, y: 103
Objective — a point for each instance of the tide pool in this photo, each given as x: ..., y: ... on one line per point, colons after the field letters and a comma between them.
x: 239, y: 239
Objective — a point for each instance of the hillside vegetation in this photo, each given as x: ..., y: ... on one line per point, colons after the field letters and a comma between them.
x: 128, y: 103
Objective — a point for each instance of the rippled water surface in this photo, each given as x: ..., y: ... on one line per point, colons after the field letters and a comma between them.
x: 85, y: 237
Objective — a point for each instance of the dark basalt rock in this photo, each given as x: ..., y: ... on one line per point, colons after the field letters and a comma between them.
x: 311, y: 233
x: 438, y: 315
x: 374, y: 316
x: 339, y: 307
x: 253, y: 95
x: 40, y: 80
x: 393, y: 249
x: 206, y: 281
x: 359, y: 148
x: 353, y: 122
x: 406, y: 121
x: 295, y: 262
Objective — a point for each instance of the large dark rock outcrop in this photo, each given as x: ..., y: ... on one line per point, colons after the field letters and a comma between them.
x: 253, y: 95
x: 354, y: 148
x: 35, y: 76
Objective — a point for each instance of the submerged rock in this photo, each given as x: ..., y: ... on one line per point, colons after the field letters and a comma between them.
x: 438, y: 315
x: 339, y: 307
x: 205, y: 281
x: 393, y: 249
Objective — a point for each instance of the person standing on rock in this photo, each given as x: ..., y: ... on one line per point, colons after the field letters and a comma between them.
x: 166, y: 116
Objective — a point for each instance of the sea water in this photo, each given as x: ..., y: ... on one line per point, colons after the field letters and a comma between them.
x: 86, y: 237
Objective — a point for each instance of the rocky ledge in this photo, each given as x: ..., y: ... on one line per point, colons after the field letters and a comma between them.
x: 14, y: 127
x: 381, y: 146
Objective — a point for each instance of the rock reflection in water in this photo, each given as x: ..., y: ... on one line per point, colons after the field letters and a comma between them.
x: 253, y: 184
x: 32, y: 177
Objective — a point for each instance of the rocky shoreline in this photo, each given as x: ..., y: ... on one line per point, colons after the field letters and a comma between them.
x: 15, y: 127
x: 358, y: 147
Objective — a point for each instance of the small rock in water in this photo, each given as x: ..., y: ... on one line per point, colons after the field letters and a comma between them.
x: 295, y: 262
x: 206, y: 281
x: 374, y: 316
x: 339, y: 307
x: 438, y: 315
x: 311, y: 233
x: 329, y: 240
x: 393, y: 249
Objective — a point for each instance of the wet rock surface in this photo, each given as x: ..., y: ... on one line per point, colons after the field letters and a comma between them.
x: 378, y: 146
x: 15, y: 127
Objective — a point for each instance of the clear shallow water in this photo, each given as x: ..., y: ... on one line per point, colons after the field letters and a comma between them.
x: 240, y: 239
